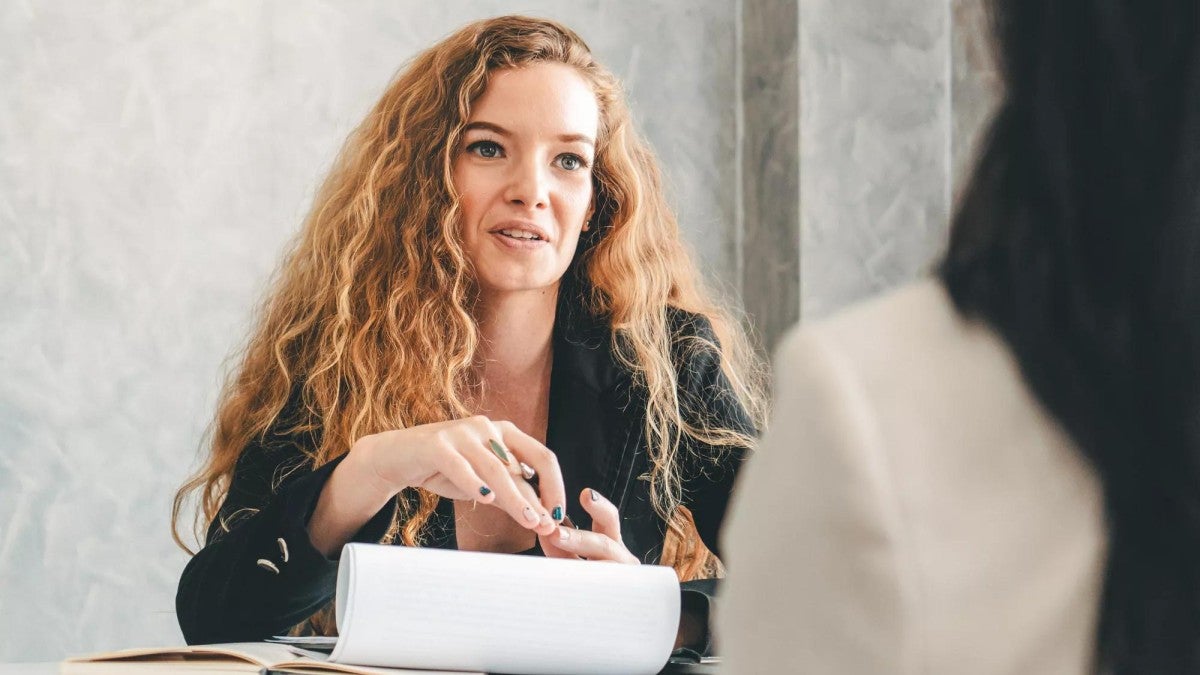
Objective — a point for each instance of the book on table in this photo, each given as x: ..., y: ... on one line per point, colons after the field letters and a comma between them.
x: 401, y: 608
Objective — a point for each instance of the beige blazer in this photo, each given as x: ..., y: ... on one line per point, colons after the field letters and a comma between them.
x: 912, y: 509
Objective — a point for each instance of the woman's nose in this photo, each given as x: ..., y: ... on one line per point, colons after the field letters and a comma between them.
x: 528, y: 185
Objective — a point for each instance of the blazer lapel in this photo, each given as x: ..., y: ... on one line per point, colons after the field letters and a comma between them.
x: 587, y: 427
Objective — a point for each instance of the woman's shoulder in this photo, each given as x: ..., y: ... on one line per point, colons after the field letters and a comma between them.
x: 917, y: 305
x: 904, y: 365
x: 685, y: 324
x: 695, y: 347
x: 904, y: 329
x: 930, y: 387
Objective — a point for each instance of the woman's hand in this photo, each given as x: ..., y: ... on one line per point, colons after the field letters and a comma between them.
x: 602, y: 543
x: 474, y: 458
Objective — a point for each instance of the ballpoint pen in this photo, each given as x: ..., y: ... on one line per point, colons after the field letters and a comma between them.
x: 531, y: 477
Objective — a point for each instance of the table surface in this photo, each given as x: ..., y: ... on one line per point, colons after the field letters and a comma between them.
x: 52, y: 669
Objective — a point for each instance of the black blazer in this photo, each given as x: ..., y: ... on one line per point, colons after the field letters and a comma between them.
x: 595, y: 429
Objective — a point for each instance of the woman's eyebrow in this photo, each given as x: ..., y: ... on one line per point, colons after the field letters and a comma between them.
x: 499, y: 130
x: 577, y: 138
x: 487, y: 126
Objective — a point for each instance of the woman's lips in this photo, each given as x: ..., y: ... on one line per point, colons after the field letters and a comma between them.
x: 519, y: 244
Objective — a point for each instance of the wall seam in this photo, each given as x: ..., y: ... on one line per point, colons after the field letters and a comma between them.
x: 948, y: 126
x: 800, y: 224
x: 739, y: 132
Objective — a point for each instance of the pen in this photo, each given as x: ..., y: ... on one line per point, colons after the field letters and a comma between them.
x: 531, y: 477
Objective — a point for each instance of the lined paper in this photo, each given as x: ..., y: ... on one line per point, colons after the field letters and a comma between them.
x: 432, y: 608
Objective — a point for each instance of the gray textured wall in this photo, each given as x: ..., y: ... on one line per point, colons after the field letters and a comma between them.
x: 154, y: 157
x: 893, y: 98
x: 874, y: 146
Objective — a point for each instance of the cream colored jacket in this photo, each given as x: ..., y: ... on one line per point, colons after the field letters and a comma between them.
x: 912, y: 509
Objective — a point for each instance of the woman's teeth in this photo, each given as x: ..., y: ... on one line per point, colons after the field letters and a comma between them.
x: 519, y: 234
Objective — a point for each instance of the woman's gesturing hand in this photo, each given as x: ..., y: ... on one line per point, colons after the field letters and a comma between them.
x: 473, y: 458
x: 602, y: 543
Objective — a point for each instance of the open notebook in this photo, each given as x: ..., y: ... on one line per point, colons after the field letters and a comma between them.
x: 237, y: 657
x: 401, y: 607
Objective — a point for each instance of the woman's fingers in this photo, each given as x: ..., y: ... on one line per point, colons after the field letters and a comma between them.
x: 474, y: 458
x: 592, y: 545
x: 549, y: 546
x: 529, y: 451
x: 546, y: 526
x: 604, y: 541
x: 606, y: 520
x: 460, y: 474
x: 523, y: 507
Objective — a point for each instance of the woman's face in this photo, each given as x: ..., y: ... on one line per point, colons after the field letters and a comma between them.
x: 523, y: 171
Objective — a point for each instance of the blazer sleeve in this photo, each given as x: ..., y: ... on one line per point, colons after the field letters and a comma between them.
x: 225, y: 594
x: 818, y: 576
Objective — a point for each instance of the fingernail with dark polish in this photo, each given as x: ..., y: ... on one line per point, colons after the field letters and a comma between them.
x: 485, y: 490
x: 557, y: 514
x: 595, y: 495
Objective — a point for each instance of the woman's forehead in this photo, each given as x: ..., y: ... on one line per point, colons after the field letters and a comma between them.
x: 545, y: 99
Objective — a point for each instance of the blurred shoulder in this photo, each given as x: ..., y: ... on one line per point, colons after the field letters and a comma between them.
x: 919, y: 307
x: 908, y: 332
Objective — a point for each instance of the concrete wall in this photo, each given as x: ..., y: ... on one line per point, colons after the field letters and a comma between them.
x: 873, y: 145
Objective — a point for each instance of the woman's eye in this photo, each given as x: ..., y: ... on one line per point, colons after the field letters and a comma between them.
x: 571, y: 162
x: 486, y: 149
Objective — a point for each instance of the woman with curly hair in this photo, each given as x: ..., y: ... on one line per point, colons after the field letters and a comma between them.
x: 490, y: 286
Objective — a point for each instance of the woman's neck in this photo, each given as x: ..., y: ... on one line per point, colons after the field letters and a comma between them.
x: 516, y: 331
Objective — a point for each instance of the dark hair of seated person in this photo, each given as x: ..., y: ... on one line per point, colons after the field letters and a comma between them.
x: 1078, y: 240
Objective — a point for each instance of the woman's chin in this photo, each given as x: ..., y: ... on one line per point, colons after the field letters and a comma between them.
x: 517, y: 286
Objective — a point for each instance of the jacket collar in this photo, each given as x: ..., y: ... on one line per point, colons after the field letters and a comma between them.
x: 583, y: 348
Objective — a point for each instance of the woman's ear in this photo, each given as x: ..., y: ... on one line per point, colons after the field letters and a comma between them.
x: 591, y: 212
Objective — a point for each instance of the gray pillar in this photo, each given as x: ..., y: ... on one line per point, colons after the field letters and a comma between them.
x: 769, y: 255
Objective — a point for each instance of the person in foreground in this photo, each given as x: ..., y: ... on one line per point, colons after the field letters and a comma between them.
x: 998, y: 470
x: 490, y: 289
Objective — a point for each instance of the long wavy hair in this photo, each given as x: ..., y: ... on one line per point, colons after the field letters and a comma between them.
x: 1078, y: 240
x: 369, y: 323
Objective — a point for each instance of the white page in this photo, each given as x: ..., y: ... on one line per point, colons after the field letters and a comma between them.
x: 432, y: 608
